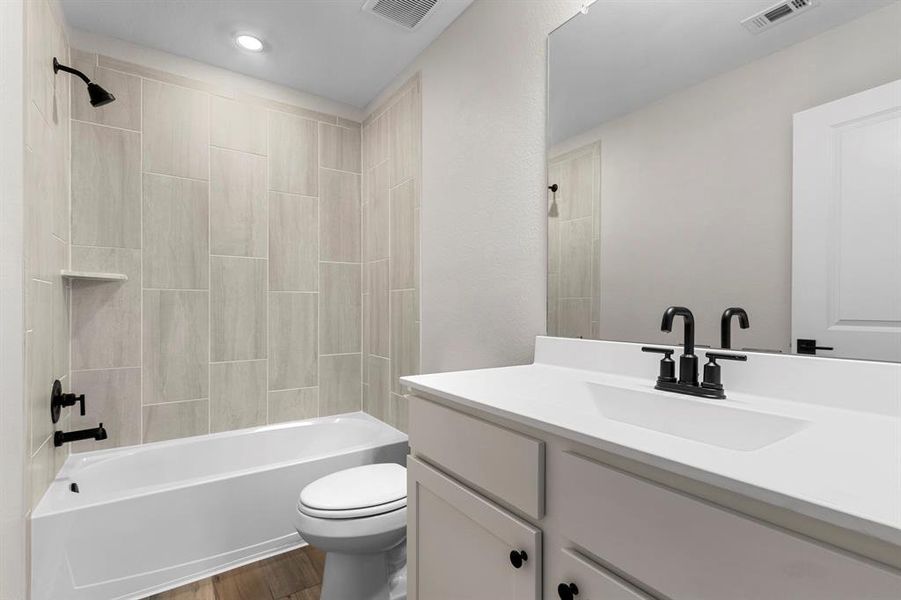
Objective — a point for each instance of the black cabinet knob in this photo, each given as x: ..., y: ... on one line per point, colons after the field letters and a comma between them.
x: 567, y: 591
x: 518, y: 557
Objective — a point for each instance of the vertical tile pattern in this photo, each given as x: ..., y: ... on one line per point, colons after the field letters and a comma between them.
x: 339, y: 384
x: 237, y: 395
x: 106, y: 186
x: 293, y: 152
x: 293, y: 243
x: 574, y: 244
x: 176, y: 345
x: 239, y: 224
x: 47, y: 221
x: 339, y: 220
x: 176, y: 228
x: 340, y: 308
x: 176, y: 130
x: 391, y: 161
x: 237, y: 308
x: 241, y: 270
x: 293, y: 335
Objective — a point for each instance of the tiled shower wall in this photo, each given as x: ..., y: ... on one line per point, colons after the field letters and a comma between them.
x: 574, y: 232
x: 391, y: 205
x: 237, y: 222
x: 46, y: 239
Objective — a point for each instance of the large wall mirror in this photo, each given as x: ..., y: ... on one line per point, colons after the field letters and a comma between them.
x: 728, y: 154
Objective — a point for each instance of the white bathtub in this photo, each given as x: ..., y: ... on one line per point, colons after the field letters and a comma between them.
x: 148, y: 518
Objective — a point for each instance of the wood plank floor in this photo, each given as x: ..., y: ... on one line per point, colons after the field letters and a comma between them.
x: 295, y: 575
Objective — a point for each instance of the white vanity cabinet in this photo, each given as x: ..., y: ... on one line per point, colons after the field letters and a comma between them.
x: 481, y: 488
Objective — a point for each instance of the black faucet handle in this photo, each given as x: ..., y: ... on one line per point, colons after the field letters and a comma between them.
x: 667, y: 364
x: 713, y: 356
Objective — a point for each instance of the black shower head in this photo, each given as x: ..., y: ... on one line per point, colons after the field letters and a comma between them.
x: 98, y: 95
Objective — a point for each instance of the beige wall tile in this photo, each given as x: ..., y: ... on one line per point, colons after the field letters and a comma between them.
x: 377, y: 233
x: 379, y: 309
x: 125, y: 112
x: 237, y: 308
x: 339, y: 308
x: 399, y: 412
x: 239, y: 222
x: 339, y: 216
x: 293, y: 154
x: 39, y: 361
x: 176, y: 226
x: 403, y: 236
x: 106, y: 186
x: 175, y: 420
x: 238, y: 125
x: 293, y: 405
x: 575, y: 258
x: 364, y: 335
x: 339, y: 384
x: 378, y: 141
x: 378, y: 391
x: 293, y: 339
x: 293, y: 242
x: 61, y: 308
x: 404, y: 137
x: 40, y: 472
x: 176, y: 339
x: 106, y: 316
x: 112, y: 397
x: 404, y: 337
x: 237, y: 395
x: 574, y: 317
x: 176, y: 130
x: 339, y: 148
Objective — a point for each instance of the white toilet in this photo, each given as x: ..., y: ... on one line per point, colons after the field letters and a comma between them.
x: 358, y: 517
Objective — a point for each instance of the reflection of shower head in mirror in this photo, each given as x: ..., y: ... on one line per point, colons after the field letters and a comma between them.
x: 552, y: 211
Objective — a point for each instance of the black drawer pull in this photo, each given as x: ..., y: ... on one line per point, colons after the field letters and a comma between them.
x: 567, y: 591
x: 518, y: 557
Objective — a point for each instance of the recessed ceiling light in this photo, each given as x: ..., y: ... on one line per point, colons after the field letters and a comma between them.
x: 249, y: 42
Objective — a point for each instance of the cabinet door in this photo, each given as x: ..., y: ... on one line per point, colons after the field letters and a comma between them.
x: 459, y: 544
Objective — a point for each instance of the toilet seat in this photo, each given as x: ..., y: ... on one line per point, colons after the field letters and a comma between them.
x: 355, y: 493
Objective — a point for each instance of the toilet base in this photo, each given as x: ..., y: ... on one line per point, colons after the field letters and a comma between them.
x: 376, y: 576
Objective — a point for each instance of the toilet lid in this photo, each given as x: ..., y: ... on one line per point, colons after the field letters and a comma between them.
x: 357, y: 492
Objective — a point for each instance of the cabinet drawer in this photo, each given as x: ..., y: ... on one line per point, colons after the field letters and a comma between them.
x: 592, y: 581
x: 504, y: 464
x: 687, y: 549
x: 459, y: 544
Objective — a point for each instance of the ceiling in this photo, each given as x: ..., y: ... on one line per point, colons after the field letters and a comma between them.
x: 625, y: 54
x: 330, y: 48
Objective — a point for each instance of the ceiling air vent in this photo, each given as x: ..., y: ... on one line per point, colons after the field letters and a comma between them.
x: 409, y: 14
x: 776, y: 14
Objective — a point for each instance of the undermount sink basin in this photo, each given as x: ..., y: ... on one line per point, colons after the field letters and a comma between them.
x: 711, y: 422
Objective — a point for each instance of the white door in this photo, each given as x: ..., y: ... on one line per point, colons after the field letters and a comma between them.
x: 846, y: 246
x: 460, y: 546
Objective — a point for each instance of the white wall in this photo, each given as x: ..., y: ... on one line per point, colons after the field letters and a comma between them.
x: 696, y: 188
x: 12, y: 315
x: 484, y: 256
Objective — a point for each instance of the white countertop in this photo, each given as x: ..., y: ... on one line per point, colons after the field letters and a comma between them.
x: 843, y: 467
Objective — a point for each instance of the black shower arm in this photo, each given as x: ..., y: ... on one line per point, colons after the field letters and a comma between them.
x: 58, y: 67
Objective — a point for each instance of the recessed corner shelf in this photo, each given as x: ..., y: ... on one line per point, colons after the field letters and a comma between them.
x: 92, y: 276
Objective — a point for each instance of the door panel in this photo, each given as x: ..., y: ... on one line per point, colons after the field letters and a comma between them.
x: 846, y: 265
x: 459, y: 543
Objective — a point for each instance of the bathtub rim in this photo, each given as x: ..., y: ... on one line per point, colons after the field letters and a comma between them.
x: 64, y: 476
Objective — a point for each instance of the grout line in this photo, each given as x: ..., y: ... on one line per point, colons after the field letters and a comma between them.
x: 145, y: 172
x: 236, y: 256
x: 209, y: 237
x: 227, y: 149
x: 358, y: 173
x: 105, y: 126
x: 295, y: 389
x: 176, y: 402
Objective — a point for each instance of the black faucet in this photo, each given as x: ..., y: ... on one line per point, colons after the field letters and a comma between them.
x: 60, y: 438
x: 687, y: 383
x: 688, y: 362
x: 726, y: 324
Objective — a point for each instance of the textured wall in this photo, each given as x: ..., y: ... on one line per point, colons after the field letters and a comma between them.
x: 484, y: 259
x: 237, y: 221
x: 46, y: 237
x: 391, y: 207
